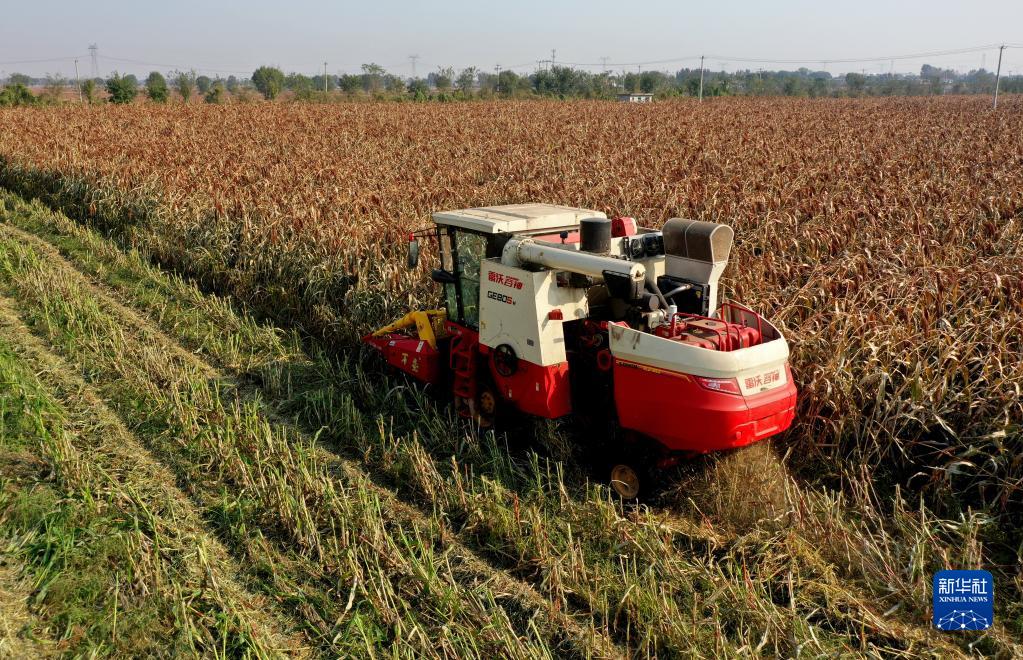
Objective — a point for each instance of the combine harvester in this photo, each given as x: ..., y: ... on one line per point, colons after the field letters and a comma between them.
x: 551, y: 311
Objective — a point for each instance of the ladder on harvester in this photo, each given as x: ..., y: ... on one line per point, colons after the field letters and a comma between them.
x: 462, y: 360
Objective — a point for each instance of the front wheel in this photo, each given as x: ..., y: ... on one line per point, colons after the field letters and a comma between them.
x: 626, y: 480
x: 486, y: 407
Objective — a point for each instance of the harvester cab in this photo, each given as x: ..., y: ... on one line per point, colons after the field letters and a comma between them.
x: 552, y: 310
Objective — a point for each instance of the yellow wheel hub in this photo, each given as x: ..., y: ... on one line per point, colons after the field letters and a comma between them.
x: 625, y: 481
x: 488, y: 403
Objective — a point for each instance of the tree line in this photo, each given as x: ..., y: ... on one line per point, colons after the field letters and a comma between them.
x: 444, y: 84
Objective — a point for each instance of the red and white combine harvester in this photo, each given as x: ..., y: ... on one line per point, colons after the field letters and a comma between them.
x: 551, y: 311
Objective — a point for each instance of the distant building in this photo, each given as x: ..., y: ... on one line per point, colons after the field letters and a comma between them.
x: 636, y: 98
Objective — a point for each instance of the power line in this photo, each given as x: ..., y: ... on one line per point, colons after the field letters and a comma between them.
x: 603, y: 62
x: 42, y: 61
x: 818, y: 60
x: 176, y: 66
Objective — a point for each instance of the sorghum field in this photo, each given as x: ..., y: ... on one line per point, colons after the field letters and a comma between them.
x: 194, y: 441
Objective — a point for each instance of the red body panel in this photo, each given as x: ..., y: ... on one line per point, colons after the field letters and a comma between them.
x: 624, y: 226
x: 676, y: 411
x: 533, y: 389
x: 571, y: 238
x: 413, y: 356
x: 710, y: 333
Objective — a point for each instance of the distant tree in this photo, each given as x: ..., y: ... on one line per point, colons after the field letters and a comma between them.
x: 394, y: 84
x: 298, y: 83
x: 349, y: 83
x: 543, y: 82
x: 156, y: 87
x: 819, y: 87
x: 793, y: 86
x: 203, y: 84
x: 131, y: 78
x: 122, y: 89
x: 419, y: 89
x: 53, y: 90
x: 509, y: 83
x: 602, y: 85
x: 487, y: 83
x: 269, y: 81
x: 89, y: 90
x: 630, y: 83
x: 466, y: 81
x: 184, y: 83
x: 856, y: 82
x: 19, y: 79
x: 16, y: 94
x: 373, y: 77
x: 443, y: 78
x: 232, y: 84
x: 318, y: 82
x: 217, y: 93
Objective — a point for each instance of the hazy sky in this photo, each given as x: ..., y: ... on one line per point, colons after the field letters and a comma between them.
x: 235, y: 37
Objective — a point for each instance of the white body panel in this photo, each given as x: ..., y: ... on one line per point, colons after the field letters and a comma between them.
x: 528, y: 251
x: 514, y: 308
x: 757, y: 369
x: 516, y: 218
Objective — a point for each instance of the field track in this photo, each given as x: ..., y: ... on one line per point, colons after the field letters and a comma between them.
x: 131, y: 458
x: 325, y: 526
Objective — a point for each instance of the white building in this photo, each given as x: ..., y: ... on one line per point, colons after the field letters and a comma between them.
x: 636, y: 97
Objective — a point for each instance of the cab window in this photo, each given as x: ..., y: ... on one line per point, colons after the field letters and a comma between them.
x: 445, y: 238
x: 471, y: 249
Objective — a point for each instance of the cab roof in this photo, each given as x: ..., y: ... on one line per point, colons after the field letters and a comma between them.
x: 516, y: 218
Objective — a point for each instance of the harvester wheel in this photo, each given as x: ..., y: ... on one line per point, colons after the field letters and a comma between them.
x: 625, y: 481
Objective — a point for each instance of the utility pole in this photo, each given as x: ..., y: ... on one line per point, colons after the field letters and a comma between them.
x: 603, y: 63
x: 552, y: 58
x: 78, y: 78
x: 324, y: 77
x: 413, y: 58
x: 998, y: 75
x: 701, y: 78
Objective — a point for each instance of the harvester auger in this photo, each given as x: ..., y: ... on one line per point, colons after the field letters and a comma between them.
x: 551, y: 311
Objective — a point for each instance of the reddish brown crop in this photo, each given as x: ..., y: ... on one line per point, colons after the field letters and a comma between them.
x: 885, y: 235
